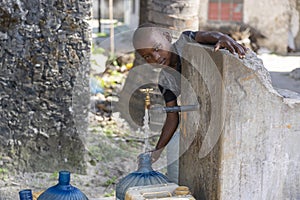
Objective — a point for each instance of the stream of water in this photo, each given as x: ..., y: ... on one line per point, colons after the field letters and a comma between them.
x: 146, y: 130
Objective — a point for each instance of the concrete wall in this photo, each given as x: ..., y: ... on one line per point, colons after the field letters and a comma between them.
x: 44, y: 75
x: 243, y: 142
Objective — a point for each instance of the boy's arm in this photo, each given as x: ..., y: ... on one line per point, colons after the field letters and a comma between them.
x: 168, y: 131
x: 220, y: 40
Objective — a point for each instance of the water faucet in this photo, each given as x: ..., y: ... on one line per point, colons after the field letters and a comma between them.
x: 161, y: 109
x: 147, y: 99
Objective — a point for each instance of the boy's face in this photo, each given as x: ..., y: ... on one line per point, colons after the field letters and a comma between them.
x: 155, y: 47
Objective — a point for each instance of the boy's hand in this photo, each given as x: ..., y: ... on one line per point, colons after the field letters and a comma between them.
x: 155, y: 154
x: 228, y: 43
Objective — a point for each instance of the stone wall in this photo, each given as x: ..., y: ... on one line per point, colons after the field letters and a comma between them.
x: 243, y: 143
x: 44, y: 76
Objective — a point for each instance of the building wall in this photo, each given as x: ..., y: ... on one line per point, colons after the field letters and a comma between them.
x: 126, y: 11
x: 274, y: 22
x: 44, y: 73
x: 203, y: 13
x: 132, y: 11
x: 118, y: 10
x: 297, y: 39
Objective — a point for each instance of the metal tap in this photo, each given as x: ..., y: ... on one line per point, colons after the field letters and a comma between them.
x: 147, y: 99
x: 184, y: 108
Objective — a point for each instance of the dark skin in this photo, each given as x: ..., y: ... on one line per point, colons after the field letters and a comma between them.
x: 156, y: 49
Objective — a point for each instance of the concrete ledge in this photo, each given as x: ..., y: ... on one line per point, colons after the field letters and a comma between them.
x: 243, y: 142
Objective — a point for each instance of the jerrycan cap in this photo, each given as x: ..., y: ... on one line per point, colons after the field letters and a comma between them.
x: 25, y: 194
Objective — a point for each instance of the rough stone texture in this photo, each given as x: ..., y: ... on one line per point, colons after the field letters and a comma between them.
x: 179, y: 15
x: 44, y: 70
x: 144, y: 11
x: 243, y: 143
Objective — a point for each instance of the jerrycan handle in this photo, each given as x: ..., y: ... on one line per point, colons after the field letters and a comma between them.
x: 160, y: 194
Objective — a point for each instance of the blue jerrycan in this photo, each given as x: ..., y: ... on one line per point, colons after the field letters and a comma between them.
x: 25, y: 194
x: 63, y: 190
x: 145, y: 175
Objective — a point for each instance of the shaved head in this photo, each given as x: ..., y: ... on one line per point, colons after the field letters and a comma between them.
x: 144, y: 32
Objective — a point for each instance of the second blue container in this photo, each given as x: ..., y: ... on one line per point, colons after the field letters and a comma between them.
x: 63, y: 190
x: 25, y: 194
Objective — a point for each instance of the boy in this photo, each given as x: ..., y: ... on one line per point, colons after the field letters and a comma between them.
x: 155, y: 45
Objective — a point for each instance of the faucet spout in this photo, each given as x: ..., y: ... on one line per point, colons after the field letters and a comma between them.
x: 147, y: 99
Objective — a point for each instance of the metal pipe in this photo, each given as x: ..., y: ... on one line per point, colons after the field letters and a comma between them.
x: 185, y: 108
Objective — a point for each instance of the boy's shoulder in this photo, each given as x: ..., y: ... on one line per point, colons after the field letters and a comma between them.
x: 185, y: 37
x: 190, y: 34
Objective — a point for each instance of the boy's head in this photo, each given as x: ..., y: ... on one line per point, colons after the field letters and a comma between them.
x: 153, y: 44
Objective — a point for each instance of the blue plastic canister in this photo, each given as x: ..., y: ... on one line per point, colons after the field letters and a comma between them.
x: 145, y: 175
x: 63, y: 190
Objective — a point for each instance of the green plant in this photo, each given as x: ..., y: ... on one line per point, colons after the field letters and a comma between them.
x: 108, y: 132
x: 54, y: 175
x: 110, y: 194
x: 3, y: 171
x: 110, y: 181
x: 98, y: 50
x: 3, y: 174
x: 101, y: 34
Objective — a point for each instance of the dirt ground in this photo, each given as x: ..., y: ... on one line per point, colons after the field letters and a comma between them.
x: 112, y: 154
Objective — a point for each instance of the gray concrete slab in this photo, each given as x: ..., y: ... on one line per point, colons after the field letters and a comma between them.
x: 244, y: 141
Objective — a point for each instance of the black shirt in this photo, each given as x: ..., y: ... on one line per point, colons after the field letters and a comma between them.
x: 169, y: 79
